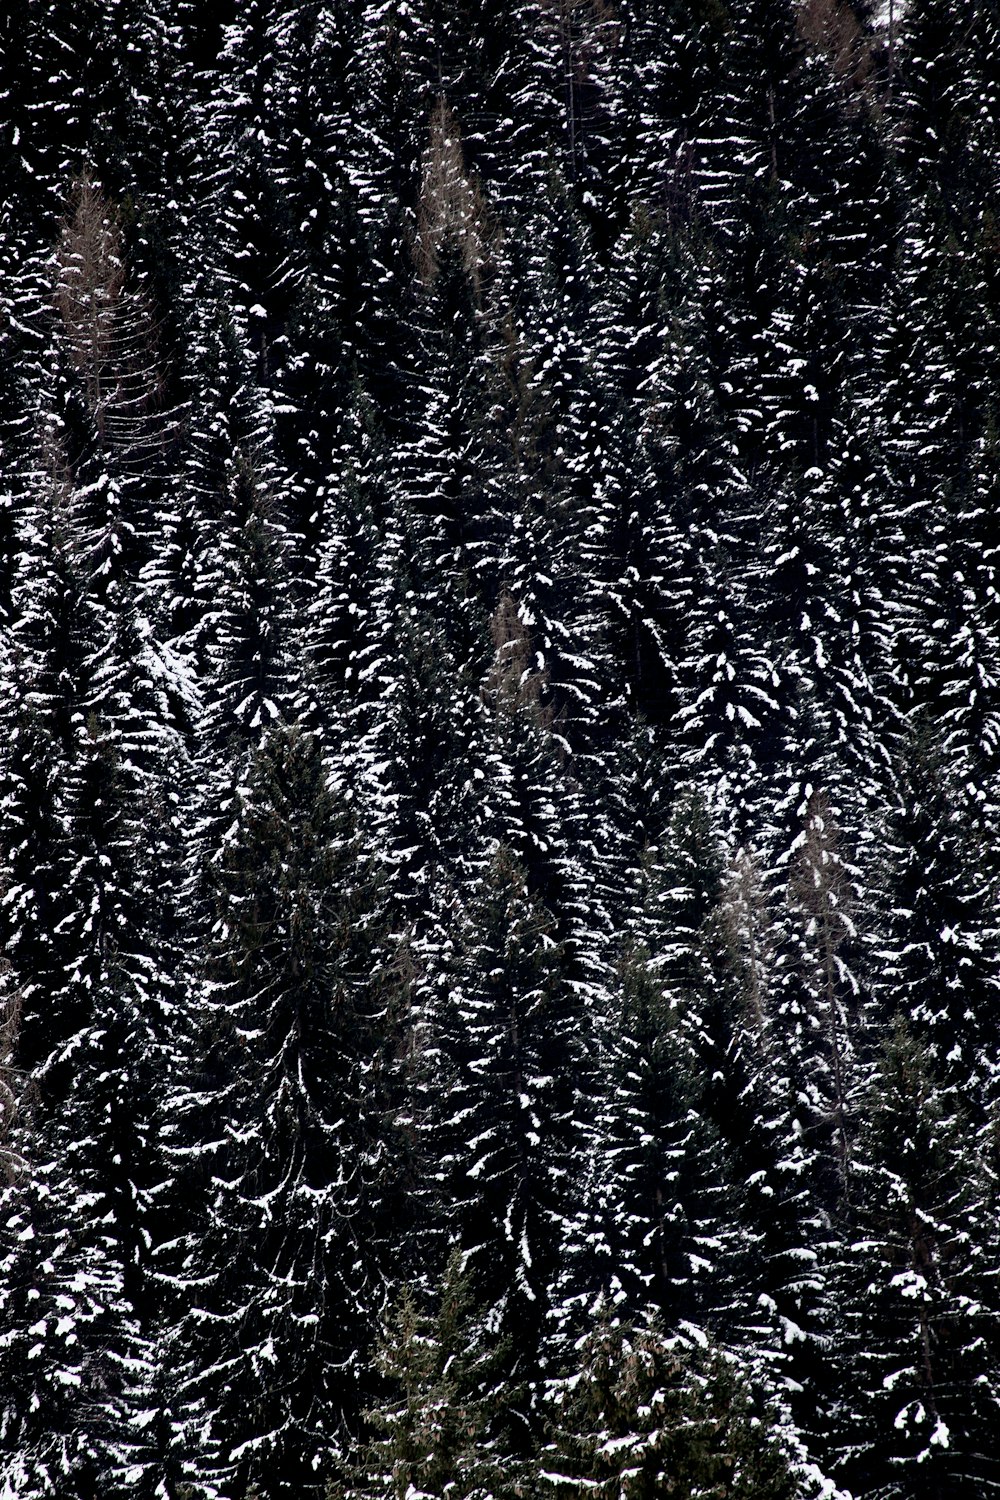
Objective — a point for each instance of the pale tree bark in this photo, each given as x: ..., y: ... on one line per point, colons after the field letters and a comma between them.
x: 452, y: 214
x: 821, y: 891
x: 12, y: 1163
x: 745, y: 924
x: 517, y: 680
x: 107, y: 325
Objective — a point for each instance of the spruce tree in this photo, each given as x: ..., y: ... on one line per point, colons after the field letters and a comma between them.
x: 642, y: 1415
x: 296, y: 1154
x: 510, y: 1031
x: 916, y: 1352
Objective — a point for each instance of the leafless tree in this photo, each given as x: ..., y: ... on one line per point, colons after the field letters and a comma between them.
x: 11, y: 1162
x: 516, y: 682
x: 108, y: 327
x: 452, y: 215
x: 822, y: 892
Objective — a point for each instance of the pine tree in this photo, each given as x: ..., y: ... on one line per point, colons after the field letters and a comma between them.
x: 429, y: 1431
x: 669, y: 1187
x: 916, y: 1355
x: 301, y: 1024
x: 510, y: 1032
x: 934, y: 944
x: 641, y: 1415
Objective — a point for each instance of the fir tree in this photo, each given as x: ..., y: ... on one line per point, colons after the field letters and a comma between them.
x: 301, y: 1026
x: 641, y: 1415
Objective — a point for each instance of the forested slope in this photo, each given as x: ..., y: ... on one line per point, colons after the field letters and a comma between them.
x: 499, y: 748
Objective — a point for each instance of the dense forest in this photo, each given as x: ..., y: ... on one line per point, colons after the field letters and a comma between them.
x: 499, y: 749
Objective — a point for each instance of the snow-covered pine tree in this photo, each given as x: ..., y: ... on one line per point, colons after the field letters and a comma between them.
x: 916, y: 1354
x: 428, y: 1432
x: 289, y: 1128
x: 933, y: 955
x: 669, y: 1197
x: 641, y: 1413
x: 510, y: 1030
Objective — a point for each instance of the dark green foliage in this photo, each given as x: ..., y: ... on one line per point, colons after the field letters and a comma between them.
x: 918, y: 1363
x: 642, y: 1416
x: 438, y: 1384
x: 511, y: 1034
x: 305, y: 1175
x: 936, y: 947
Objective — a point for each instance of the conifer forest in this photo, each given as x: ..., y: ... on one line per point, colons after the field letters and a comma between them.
x: 499, y: 750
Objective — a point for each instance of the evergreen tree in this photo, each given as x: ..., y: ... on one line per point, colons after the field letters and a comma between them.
x: 917, y: 1350
x: 669, y: 1185
x: 499, y: 651
x: 510, y: 1031
x: 429, y: 1433
x: 642, y: 1415
x: 934, y: 946
x: 301, y: 1025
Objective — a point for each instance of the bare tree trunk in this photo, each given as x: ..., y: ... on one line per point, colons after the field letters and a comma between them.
x: 11, y: 1163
